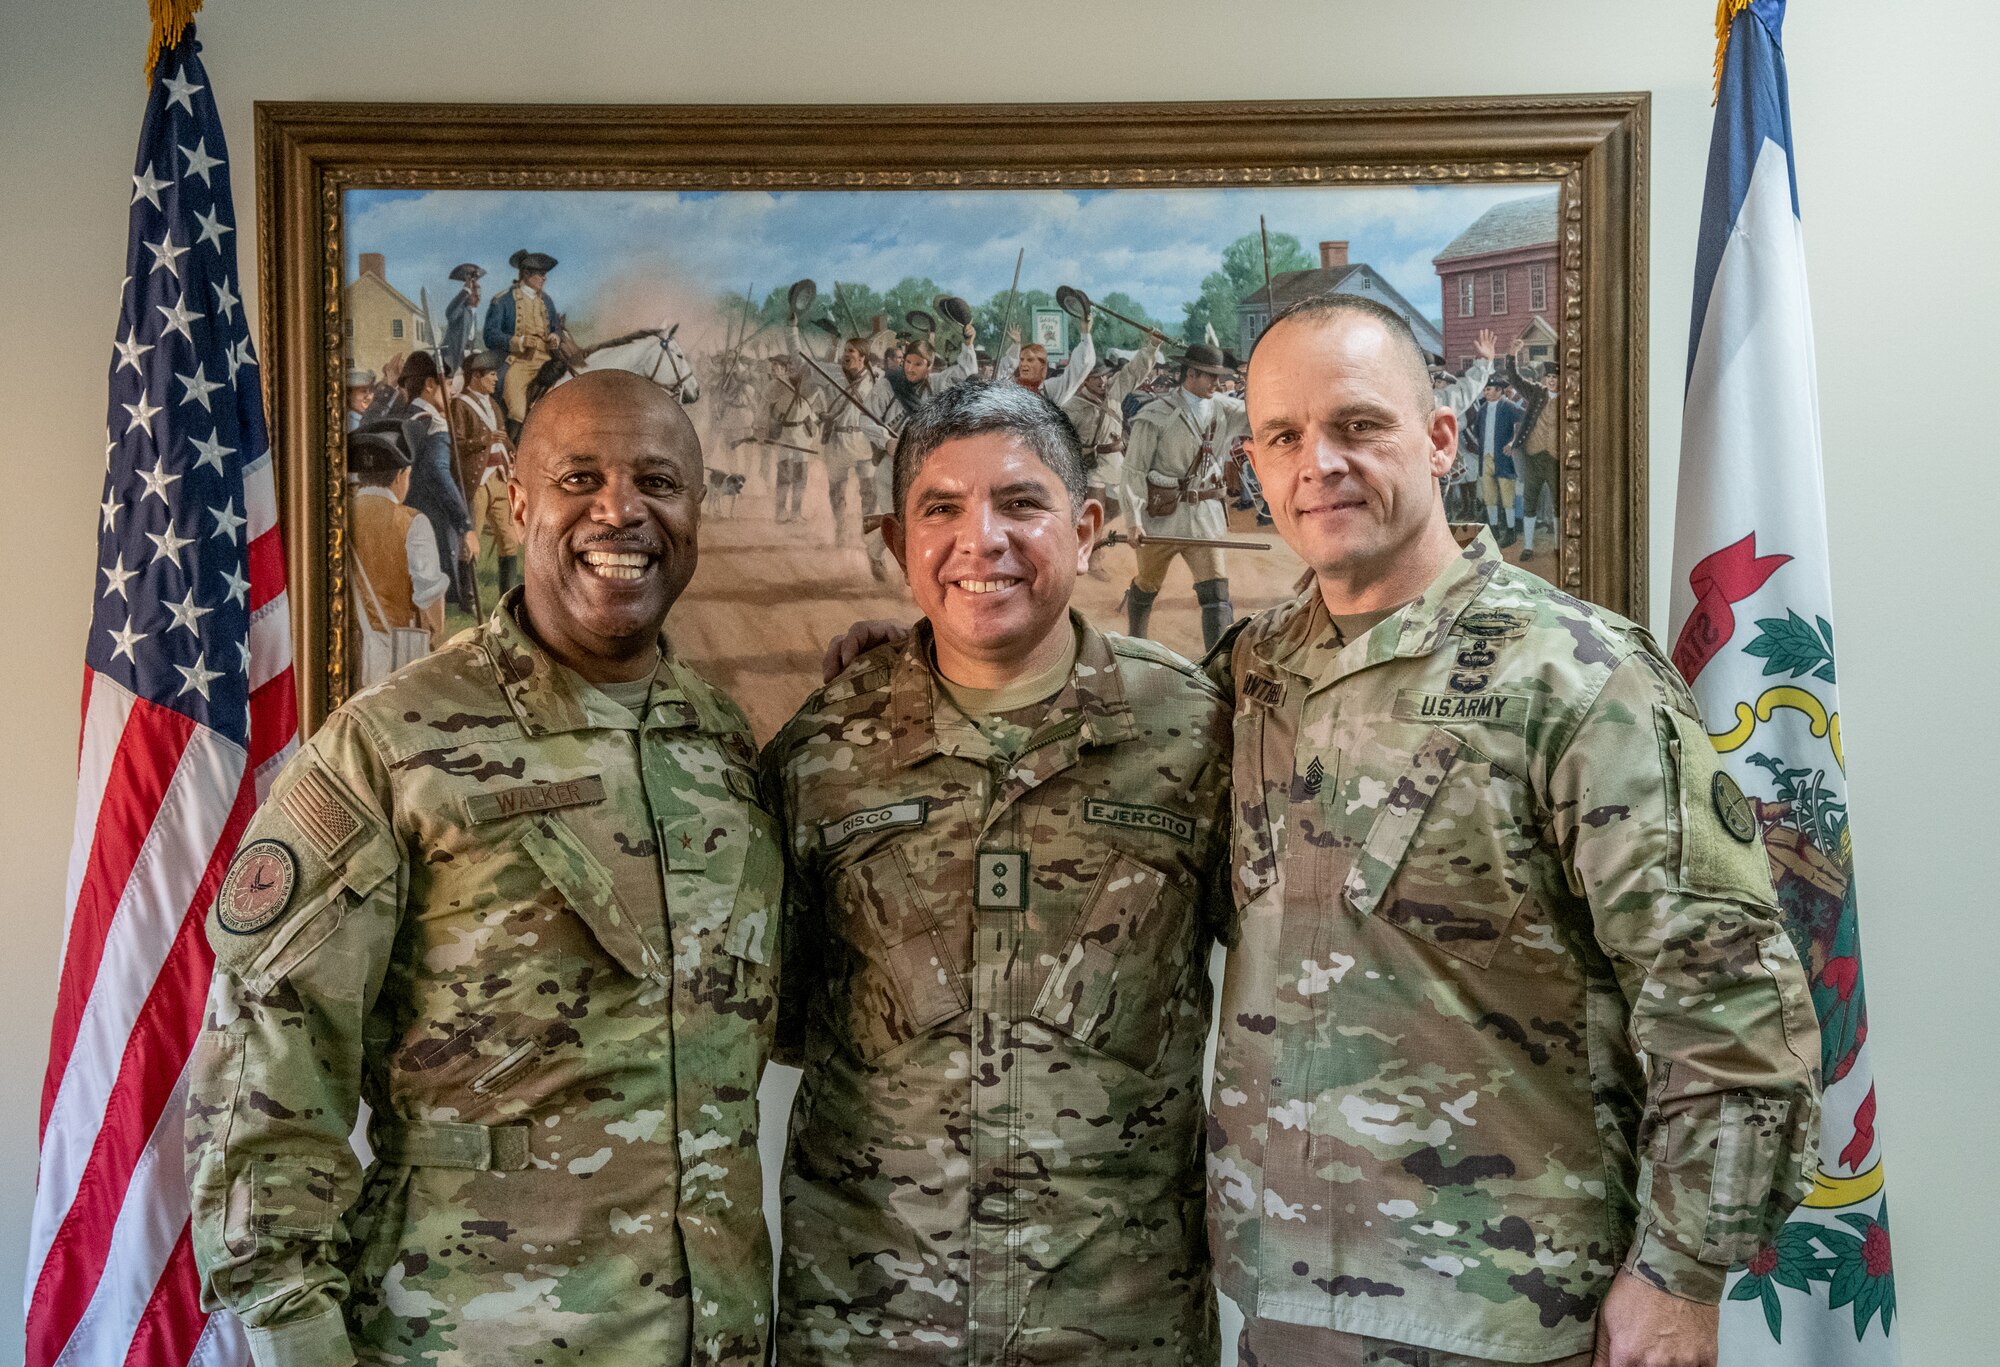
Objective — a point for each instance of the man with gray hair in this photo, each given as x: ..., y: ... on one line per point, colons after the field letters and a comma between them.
x: 1006, y: 834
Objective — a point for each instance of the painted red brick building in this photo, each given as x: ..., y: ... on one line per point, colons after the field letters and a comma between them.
x: 1500, y: 274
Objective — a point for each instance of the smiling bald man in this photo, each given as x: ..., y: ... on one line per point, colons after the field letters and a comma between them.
x: 518, y: 898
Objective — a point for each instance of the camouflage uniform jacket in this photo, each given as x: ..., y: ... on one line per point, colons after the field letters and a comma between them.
x: 1511, y: 1003
x: 1001, y: 1007
x: 534, y: 937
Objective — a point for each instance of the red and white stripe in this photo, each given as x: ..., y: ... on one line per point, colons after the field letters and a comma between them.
x: 161, y: 804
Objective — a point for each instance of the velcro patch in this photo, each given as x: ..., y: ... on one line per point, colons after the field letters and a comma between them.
x: 1136, y: 817
x: 1509, y: 710
x: 1002, y: 883
x: 534, y: 797
x: 258, y: 887
x: 1491, y: 624
x: 323, y: 812
x: 915, y: 812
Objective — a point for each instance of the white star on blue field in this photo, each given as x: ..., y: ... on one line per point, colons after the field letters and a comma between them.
x: 627, y: 255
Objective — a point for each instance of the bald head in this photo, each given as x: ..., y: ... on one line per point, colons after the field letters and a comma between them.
x: 624, y: 399
x: 1379, y: 330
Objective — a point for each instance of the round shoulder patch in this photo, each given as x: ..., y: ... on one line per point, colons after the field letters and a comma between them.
x: 258, y: 888
x: 1733, y: 807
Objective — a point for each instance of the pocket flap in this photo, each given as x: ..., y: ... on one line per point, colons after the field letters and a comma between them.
x: 1396, y: 824
x: 758, y: 894
x: 586, y: 886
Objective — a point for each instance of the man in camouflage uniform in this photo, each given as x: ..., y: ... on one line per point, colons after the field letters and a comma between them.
x: 1516, y: 1057
x: 1006, y: 833
x: 519, y: 899
x: 1174, y: 468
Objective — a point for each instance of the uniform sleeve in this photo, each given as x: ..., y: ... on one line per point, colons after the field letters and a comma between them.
x: 1140, y: 448
x: 1130, y: 374
x: 798, y: 938
x: 1009, y: 362
x: 1681, y: 901
x: 436, y: 456
x: 497, y: 327
x: 301, y: 931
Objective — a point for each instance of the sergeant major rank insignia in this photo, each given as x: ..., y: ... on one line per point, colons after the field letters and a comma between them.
x: 258, y: 888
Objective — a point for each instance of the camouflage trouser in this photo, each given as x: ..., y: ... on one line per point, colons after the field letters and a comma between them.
x: 1267, y: 1343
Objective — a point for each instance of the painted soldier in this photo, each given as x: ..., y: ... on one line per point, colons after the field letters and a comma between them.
x: 435, y: 490
x: 1098, y: 411
x: 1005, y: 832
x: 793, y: 412
x: 520, y: 900
x: 1174, y: 465
x: 360, y: 395
x: 461, y: 317
x: 1516, y: 1058
x: 853, y: 402
x: 485, y: 460
x: 397, y: 579
x: 1535, y: 449
x: 524, y: 325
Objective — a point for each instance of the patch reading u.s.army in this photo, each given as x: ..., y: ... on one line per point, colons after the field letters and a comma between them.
x: 1262, y: 688
x: 836, y: 833
x: 1733, y: 807
x: 534, y: 797
x: 258, y: 888
x: 1493, y: 709
x: 1131, y: 814
x: 323, y: 812
x: 1002, y: 881
x: 1492, y: 624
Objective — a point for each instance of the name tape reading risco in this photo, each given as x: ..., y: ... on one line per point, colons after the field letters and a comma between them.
x: 913, y: 813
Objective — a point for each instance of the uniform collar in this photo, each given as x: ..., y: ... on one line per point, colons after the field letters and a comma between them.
x: 547, y: 700
x: 1091, y: 709
x: 1305, y: 645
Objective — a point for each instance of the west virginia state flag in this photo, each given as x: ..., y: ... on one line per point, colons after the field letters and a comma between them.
x: 1752, y: 629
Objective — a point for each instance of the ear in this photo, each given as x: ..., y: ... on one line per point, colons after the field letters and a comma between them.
x: 672, y: 330
x: 1089, y: 522
x: 1443, y: 434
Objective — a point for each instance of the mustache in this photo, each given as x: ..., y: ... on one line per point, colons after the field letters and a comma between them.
x: 618, y: 541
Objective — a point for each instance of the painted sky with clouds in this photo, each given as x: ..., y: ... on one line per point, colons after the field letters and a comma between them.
x: 626, y: 255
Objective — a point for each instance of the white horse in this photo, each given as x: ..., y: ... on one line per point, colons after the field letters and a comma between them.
x: 651, y: 352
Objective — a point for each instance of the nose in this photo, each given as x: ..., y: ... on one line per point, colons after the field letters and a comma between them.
x: 982, y: 532
x: 618, y: 503
x: 1326, y: 458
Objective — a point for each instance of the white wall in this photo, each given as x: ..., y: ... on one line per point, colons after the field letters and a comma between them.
x: 1895, y: 130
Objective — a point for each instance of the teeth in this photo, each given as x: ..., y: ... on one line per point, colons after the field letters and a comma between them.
x: 985, y: 585
x: 624, y: 565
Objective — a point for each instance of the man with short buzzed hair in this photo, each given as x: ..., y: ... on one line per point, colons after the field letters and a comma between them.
x: 1516, y: 1057
x: 519, y: 899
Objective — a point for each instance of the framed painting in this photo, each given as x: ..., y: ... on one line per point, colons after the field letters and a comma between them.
x: 726, y: 251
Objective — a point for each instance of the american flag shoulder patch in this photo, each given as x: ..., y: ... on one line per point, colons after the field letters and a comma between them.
x: 323, y: 812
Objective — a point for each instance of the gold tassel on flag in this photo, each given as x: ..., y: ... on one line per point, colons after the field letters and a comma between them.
x: 1727, y: 12
x: 170, y: 21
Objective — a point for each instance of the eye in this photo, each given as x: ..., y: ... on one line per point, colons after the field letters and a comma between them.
x: 578, y: 480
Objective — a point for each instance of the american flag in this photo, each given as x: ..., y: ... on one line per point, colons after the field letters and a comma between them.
x: 188, y: 712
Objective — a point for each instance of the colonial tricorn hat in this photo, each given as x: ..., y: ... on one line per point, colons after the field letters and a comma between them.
x: 1495, y: 381
x: 532, y: 263
x: 377, y: 448
x: 1204, y: 358
x: 482, y: 360
x: 419, y: 364
x: 467, y: 271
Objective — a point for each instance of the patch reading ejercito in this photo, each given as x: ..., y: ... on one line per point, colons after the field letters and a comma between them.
x: 912, y: 813
x: 1136, y: 817
x: 535, y: 797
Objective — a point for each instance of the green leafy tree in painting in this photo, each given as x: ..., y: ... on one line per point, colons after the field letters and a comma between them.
x: 1242, y: 275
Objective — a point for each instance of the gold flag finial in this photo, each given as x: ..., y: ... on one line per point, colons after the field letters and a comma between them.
x: 170, y: 21
x: 1727, y: 12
